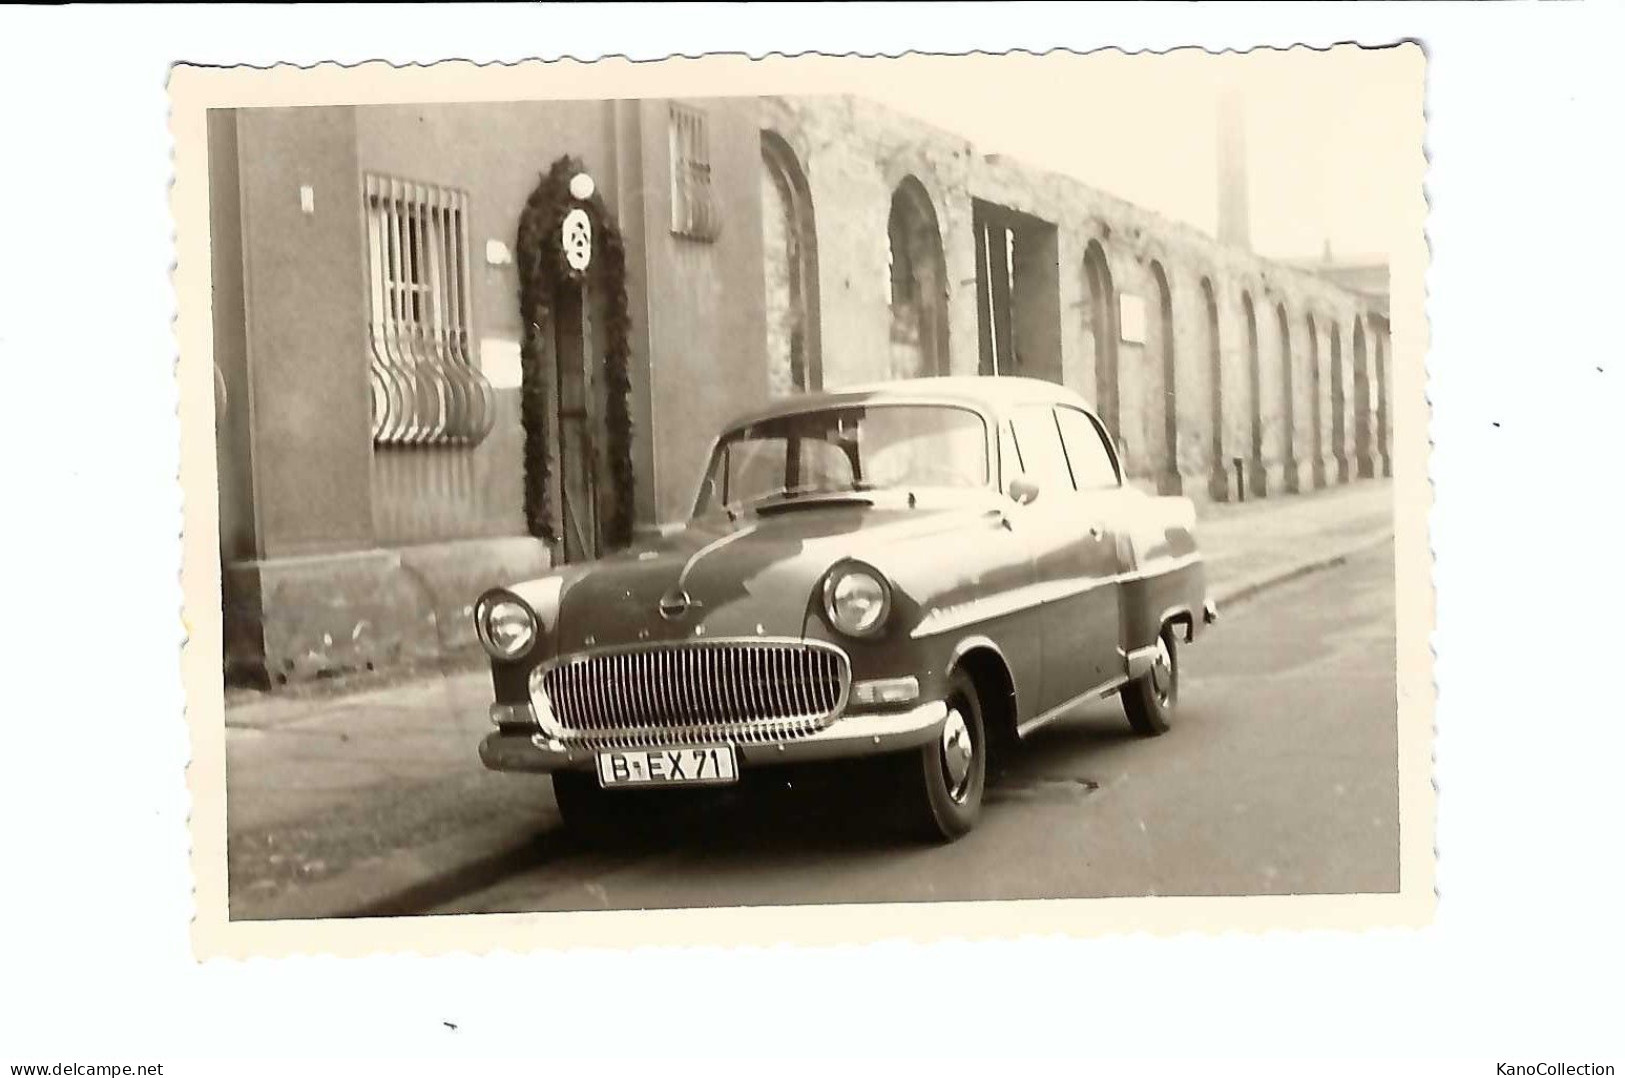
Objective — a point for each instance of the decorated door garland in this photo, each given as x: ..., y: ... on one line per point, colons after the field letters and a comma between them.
x: 566, y: 235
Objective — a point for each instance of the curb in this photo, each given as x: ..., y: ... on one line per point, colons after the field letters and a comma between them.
x: 1247, y: 589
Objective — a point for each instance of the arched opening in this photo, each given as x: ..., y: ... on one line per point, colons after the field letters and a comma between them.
x: 790, y: 269
x: 1103, y: 328
x: 1292, y: 482
x: 1340, y: 445
x: 1379, y: 348
x: 1162, y: 418
x: 1317, y: 438
x: 1218, y: 467
x: 1364, y: 466
x: 1257, y: 475
x: 919, y: 284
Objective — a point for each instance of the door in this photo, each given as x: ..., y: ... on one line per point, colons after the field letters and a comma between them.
x: 575, y: 423
x: 1075, y: 563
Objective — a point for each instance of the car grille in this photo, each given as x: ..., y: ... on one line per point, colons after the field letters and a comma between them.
x: 721, y: 690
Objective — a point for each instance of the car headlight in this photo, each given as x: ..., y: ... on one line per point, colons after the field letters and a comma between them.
x: 506, y: 626
x: 857, y: 599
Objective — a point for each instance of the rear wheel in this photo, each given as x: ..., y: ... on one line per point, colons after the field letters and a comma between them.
x: 1149, y: 700
x: 942, y: 782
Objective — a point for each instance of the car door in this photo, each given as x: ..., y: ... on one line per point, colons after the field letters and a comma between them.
x: 1075, y: 563
x: 1097, y: 478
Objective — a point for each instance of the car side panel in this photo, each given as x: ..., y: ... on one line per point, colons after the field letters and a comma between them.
x: 979, y: 583
x: 1156, y: 595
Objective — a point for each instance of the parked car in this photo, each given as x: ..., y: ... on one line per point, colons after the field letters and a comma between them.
x: 920, y: 570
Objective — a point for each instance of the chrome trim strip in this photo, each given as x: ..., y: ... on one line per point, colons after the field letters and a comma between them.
x: 989, y: 607
x: 1064, y: 708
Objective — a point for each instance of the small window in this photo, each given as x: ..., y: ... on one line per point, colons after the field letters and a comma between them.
x: 693, y: 205
x: 1039, y: 444
x: 1092, y: 465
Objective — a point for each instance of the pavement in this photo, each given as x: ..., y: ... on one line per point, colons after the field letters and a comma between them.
x: 370, y: 799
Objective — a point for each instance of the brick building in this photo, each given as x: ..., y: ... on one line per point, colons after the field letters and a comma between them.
x: 772, y: 245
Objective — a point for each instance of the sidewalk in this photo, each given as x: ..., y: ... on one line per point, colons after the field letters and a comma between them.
x: 341, y: 798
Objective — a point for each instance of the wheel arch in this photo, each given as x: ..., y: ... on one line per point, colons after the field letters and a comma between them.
x: 985, y: 663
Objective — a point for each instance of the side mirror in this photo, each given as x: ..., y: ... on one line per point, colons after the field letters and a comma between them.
x: 1023, y: 489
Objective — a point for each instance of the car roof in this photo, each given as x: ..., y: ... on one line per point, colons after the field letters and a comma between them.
x: 981, y: 392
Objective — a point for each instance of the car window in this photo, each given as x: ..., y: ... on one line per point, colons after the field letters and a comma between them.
x: 924, y: 446
x: 752, y: 467
x: 857, y: 447
x: 1091, y: 461
x: 1039, y: 444
x: 822, y: 467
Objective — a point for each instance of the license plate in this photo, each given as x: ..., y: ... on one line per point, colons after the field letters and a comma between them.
x: 704, y: 765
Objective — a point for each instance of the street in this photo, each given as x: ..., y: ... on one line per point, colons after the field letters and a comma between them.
x: 1279, y: 777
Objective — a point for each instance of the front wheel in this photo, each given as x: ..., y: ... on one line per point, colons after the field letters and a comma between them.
x: 1149, y: 700
x: 942, y: 782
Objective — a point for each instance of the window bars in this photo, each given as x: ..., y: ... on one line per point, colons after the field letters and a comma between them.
x: 426, y: 386
x: 693, y: 206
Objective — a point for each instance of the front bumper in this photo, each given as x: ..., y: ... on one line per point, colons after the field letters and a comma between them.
x: 518, y: 749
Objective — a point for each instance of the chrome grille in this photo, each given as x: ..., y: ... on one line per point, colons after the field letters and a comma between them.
x: 719, y: 690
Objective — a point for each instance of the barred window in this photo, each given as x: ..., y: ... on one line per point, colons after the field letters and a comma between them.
x: 426, y: 383
x: 693, y: 206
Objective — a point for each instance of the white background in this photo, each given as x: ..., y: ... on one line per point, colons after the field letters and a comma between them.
x: 1525, y: 370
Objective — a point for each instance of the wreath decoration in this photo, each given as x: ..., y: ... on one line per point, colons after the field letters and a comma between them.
x: 547, y: 256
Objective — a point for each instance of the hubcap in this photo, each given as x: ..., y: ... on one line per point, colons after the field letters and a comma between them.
x: 957, y: 753
x: 1162, y: 671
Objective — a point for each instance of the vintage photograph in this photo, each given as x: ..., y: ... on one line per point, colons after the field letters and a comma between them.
x: 808, y: 483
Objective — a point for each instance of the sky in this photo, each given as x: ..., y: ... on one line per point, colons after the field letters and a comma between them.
x: 1320, y: 126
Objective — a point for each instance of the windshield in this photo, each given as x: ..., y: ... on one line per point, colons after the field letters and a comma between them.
x: 844, y: 450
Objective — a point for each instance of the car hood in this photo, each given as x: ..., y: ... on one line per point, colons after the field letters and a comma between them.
x: 753, y: 577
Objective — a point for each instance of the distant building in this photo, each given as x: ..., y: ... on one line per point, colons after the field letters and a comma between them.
x: 367, y: 335
x: 1365, y: 276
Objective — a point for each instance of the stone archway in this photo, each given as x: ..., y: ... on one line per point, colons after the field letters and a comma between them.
x: 790, y: 271
x: 1162, y: 421
x: 1257, y: 474
x: 1292, y: 482
x: 1218, y: 467
x: 1340, y: 443
x: 1317, y: 437
x: 1380, y: 351
x: 1103, y: 328
x: 918, y: 279
x: 1364, y: 464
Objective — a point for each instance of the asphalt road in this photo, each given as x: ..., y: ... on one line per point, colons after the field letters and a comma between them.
x: 1279, y: 778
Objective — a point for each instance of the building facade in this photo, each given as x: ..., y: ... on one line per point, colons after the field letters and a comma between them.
x: 372, y: 350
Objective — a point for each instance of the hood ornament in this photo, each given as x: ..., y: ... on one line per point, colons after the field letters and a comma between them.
x: 675, y: 603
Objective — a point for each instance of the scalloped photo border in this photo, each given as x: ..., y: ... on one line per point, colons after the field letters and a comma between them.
x: 194, y: 90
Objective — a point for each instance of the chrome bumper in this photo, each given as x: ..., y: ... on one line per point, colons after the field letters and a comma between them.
x: 514, y: 749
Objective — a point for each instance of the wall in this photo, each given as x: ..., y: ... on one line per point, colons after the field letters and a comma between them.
x: 855, y: 153
x: 304, y: 283
x: 707, y: 300
x: 233, y: 445
x: 495, y: 152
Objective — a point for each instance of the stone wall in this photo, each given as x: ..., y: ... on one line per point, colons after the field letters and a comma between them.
x: 1181, y: 423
